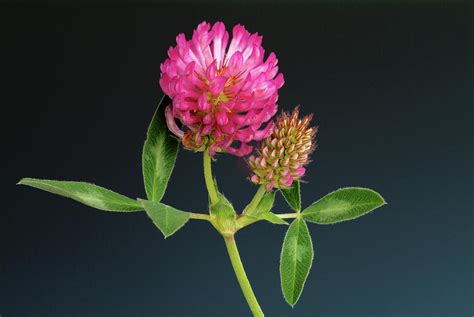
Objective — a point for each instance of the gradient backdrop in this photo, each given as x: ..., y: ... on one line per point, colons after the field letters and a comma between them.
x: 390, y: 86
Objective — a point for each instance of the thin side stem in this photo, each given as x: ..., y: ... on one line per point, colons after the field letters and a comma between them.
x: 211, y: 188
x: 255, y: 200
x: 199, y: 216
x: 242, y: 277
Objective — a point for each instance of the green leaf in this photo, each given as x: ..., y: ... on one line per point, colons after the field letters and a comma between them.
x: 86, y: 193
x: 270, y: 217
x: 266, y: 203
x: 342, y: 205
x: 159, y: 154
x: 166, y: 218
x: 293, y: 196
x: 295, y: 260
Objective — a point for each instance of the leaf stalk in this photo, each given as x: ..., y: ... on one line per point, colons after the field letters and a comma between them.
x: 199, y: 216
x: 289, y: 215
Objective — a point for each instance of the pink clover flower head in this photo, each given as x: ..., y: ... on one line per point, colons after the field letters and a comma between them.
x: 281, y: 157
x: 223, y: 91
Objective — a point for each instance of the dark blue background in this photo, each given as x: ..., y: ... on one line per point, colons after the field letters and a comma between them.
x: 390, y: 86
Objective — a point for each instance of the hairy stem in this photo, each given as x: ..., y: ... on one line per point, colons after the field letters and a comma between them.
x: 242, y: 276
x: 255, y: 200
x: 211, y: 188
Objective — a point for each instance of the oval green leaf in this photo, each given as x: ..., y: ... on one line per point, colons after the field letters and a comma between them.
x: 159, y: 154
x: 295, y: 260
x: 293, y: 196
x: 342, y: 205
x: 86, y: 193
x: 166, y: 218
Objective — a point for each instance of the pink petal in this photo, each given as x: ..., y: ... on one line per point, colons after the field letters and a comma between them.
x: 203, y: 104
x: 219, y: 42
x: 235, y: 63
x: 207, y: 119
x: 221, y: 118
x: 300, y: 171
x: 255, y: 179
x: 217, y: 84
x: 262, y: 134
x: 243, y: 150
x: 287, y: 180
x: 270, y: 186
x: 171, y: 123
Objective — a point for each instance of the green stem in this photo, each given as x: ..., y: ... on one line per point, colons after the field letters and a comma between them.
x: 255, y: 200
x: 199, y: 216
x: 211, y: 188
x: 288, y: 215
x: 242, y: 277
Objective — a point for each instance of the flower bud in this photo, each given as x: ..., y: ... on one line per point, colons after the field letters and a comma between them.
x: 281, y: 157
